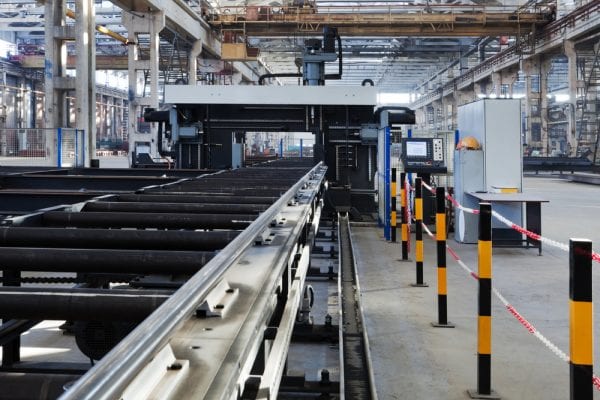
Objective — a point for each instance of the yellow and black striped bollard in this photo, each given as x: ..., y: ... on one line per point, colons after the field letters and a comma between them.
x: 419, y: 233
x: 403, y: 216
x: 484, y: 318
x: 393, y: 203
x: 581, y: 319
x: 440, y: 235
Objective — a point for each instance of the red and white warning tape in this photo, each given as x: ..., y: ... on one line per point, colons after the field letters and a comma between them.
x: 532, y: 235
x: 522, y: 320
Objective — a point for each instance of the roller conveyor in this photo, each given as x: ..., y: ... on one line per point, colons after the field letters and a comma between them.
x: 205, y: 198
x: 240, y: 244
x: 147, y: 220
x: 116, y: 238
x: 148, y: 207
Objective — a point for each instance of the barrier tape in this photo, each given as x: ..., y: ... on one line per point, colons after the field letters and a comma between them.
x: 532, y: 235
x: 454, y: 202
x: 526, y: 324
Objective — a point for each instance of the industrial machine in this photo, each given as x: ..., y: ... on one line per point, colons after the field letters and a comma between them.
x: 205, y: 126
x: 425, y: 157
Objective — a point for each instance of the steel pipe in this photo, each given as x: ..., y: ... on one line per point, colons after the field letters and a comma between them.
x: 79, y: 304
x: 146, y: 220
x: 212, y: 191
x: 102, y: 260
x: 115, y: 238
x: 110, y: 376
x: 176, y: 197
x: 148, y: 207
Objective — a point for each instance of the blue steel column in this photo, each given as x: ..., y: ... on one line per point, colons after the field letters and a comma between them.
x: 387, y: 163
x: 59, y: 147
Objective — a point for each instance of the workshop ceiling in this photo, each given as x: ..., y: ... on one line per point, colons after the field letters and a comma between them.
x: 395, y: 64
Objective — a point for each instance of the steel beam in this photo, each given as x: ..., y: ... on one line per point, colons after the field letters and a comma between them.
x: 79, y: 304
x: 116, y: 238
x: 102, y: 260
x: 146, y: 220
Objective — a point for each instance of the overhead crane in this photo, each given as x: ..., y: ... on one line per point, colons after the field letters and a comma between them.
x: 374, y: 20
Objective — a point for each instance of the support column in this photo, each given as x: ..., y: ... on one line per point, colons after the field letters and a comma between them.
x: 481, y: 88
x: 152, y: 24
x: 193, y: 64
x: 497, y: 83
x: 545, y: 66
x: 85, y: 81
x: 57, y: 84
x: 569, y: 48
x: 532, y: 103
x: 509, y: 77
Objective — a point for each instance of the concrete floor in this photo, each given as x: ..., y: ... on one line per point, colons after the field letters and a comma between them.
x: 413, y: 360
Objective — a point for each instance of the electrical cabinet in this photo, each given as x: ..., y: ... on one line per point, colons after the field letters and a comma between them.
x: 496, y: 124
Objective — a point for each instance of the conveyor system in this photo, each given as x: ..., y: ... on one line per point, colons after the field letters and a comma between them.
x: 213, y: 266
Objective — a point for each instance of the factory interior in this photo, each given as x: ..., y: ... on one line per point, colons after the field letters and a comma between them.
x: 299, y: 199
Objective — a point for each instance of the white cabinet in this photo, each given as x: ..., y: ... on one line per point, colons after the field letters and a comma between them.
x: 496, y: 124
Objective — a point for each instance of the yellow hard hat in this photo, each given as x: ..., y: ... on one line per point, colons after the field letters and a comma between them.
x: 469, y: 143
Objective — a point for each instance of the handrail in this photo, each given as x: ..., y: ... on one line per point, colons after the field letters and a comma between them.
x: 111, y: 375
x: 512, y: 54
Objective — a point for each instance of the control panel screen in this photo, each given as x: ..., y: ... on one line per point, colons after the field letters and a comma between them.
x: 416, y: 149
x: 424, y: 154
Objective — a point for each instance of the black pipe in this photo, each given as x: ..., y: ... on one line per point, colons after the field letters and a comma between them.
x: 205, y: 198
x: 79, y: 304
x: 339, y: 74
x: 206, y: 208
x: 115, y: 238
x: 280, y: 75
x: 369, y: 81
x: 102, y: 260
x: 235, y: 193
x: 146, y: 220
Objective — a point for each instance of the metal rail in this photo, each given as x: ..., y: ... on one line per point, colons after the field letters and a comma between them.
x: 112, y: 374
x: 356, y: 367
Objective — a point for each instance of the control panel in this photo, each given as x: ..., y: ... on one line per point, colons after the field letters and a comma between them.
x: 423, y: 155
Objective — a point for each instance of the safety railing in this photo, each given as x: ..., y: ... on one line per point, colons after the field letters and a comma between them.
x: 61, y: 147
x: 581, y: 256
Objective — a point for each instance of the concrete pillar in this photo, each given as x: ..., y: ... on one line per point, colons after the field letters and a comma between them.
x: 532, y: 100
x: 193, y: 64
x: 420, y: 118
x: 509, y: 77
x: 569, y: 48
x: 85, y: 81
x: 546, y: 64
x: 497, y: 83
x: 152, y: 24
x: 55, y: 67
x: 480, y: 88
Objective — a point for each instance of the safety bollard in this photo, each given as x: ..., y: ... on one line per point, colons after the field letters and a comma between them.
x: 440, y: 235
x: 393, y: 203
x: 581, y: 319
x: 484, y: 318
x: 403, y: 216
x: 419, y: 233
